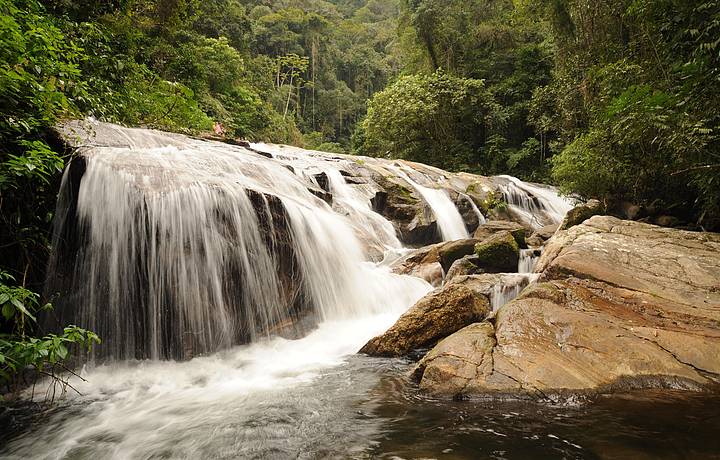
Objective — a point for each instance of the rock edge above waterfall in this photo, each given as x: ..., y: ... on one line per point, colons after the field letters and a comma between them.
x: 619, y: 306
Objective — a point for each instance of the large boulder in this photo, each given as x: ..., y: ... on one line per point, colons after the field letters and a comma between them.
x: 498, y: 253
x: 492, y: 227
x: 437, y: 315
x: 458, y: 361
x: 621, y: 305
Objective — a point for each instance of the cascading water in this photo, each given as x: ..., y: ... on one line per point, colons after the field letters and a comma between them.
x: 476, y: 210
x: 191, y: 247
x: 528, y: 259
x: 448, y: 218
x: 170, y: 247
x: 510, y: 287
x: 537, y: 205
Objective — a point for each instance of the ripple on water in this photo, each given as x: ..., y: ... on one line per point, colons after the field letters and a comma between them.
x: 367, y: 408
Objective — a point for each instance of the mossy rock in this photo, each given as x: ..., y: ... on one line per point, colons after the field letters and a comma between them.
x: 580, y: 214
x: 492, y: 227
x: 498, y: 254
x: 454, y: 250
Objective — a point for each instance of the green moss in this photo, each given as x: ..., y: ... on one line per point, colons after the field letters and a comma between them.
x: 500, y: 252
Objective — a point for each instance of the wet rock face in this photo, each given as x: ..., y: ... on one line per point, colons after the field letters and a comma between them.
x: 621, y: 305
x: 468, y: 265
x: 466, y: 208
x: 433, y: 317
x: 495, y: 226
x: 498, y: 253
x: 412, y: 218
x: 451, y: 251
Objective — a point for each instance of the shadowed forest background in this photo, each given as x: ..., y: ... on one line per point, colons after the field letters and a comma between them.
x: 610, y: 99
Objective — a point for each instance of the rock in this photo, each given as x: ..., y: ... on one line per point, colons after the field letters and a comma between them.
x: 412, y: 218
x: 423, y: 263
x: 458, y: 361
x: 581, y: 213
x: 492, y: 227
x: 498, y: 253
x: 630, y: 211
x: 453, y: 250
x: 437, y: 315
x: 667, y: 221
x: 323, y: 181
x: 540, y: 236
x: 620, y: 305
x: 461, y: 267
x: 467, y: 208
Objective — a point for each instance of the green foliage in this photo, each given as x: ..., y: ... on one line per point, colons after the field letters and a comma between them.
x: 637, y: 120
x: 20, y: 352
x: 437, y: 119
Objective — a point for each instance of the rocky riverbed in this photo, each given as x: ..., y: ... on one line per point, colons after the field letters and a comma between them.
x: 618, y: 305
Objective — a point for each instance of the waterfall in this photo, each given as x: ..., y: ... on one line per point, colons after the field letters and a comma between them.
x: 528, y: 259
x: 448, y: 218
x: 360, y: 211
x: 476, y: 210
x: 510, y: 287
x: 176, y: 247
x: 537, y: 205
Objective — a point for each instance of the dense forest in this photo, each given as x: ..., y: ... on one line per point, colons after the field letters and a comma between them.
x: 609, y: 99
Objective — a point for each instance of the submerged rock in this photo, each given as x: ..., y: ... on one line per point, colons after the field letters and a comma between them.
x: 433, y: 317
x: 621, y: 305
x: 498, y: 253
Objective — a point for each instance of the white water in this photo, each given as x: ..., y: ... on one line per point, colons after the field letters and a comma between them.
x: 528, y: 259
x: 448, y: 218
x: 476, y: 210
x: 536, y: 205
x: 216, y: 404
x: 511, y: 286
x: 178, y: 262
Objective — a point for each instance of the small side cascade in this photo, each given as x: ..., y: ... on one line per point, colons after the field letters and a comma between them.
x: 448, y: 217
x: 510, y: 287
x: 528, y: 259
x: 537, y: 205
x: 360, y: 210
x: 481, y: 218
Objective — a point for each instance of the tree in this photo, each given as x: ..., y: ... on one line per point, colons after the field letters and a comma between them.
x: 436, y: 119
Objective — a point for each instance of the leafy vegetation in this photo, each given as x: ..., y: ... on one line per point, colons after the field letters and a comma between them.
x: 21, y: 353
x: 614, y: 99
